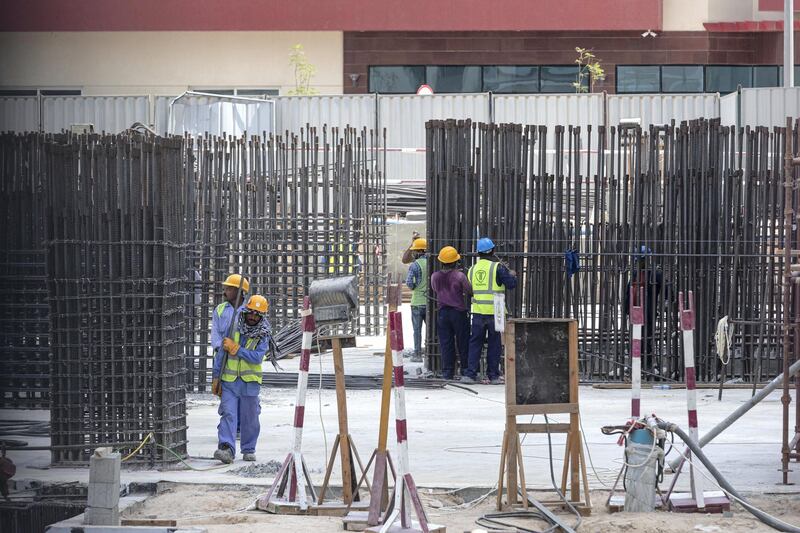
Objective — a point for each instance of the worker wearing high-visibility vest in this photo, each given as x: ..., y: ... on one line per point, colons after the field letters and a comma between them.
x: 486, y: 277
x: 238, y: 381
x: 417, y: 281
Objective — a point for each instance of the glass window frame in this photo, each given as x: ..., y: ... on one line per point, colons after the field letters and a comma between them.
x: 702, y: 80
x: 369, y: 77
x: 538, y: 79
x: 541, y: 77
x: 616, y: 78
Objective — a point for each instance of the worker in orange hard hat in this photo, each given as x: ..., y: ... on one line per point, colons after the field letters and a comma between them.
x: 240, y: 378
x: 451, y: 288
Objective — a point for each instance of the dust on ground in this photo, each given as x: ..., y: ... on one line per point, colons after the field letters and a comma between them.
x: 229, y: 509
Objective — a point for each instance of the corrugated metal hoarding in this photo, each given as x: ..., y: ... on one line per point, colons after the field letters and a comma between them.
x: 19, y: 113
x: 198, y: 114
x: 111, y: 114
x: 404, y: 117
x: 293, y: 113
x: 660, y: 109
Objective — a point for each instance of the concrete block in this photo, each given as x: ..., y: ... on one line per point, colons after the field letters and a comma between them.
x: 95, y: 516
x: 104, y: 469
x: 103, y: 495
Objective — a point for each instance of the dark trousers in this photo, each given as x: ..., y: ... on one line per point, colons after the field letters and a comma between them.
x: 483, y: 327
x: 417, y: 318
x: 453, y: 327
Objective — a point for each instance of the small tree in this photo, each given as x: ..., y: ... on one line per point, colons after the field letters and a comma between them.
x: 588, y: 67
x: 303, y: 72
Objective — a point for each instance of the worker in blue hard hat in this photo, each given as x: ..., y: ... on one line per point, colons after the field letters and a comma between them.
x: 650, y: 279
x: 486, y: 277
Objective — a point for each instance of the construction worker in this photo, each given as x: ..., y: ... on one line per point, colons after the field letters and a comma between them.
x: 240, y: 377
x: 417, y: 281
x: 486, y: 277
x: 223, y: 313
x: 451, y: 287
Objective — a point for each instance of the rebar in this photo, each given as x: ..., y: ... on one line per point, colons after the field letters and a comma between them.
x: 690, y: 207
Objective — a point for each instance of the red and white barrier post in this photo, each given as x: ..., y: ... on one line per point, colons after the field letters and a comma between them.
x: 405, y: 490
x: 636, y: 314
x: 293, y: 471
x: 687, y: 316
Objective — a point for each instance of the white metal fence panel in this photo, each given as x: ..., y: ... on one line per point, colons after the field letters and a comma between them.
x: 198, y: 114
x: 404, y: 117
x: 769, y: 107
x: 111, y: 114
x: 160, y: 114
x: 549, y: 109
x: 292, y: 113
x: 19, y: 113
x: 729, y: 109
x: 659, y: 109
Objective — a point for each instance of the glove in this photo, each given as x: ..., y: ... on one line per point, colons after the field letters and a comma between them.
x: 216, y: 387
x: 230, y: 346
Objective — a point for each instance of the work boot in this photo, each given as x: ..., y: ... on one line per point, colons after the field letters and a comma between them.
x: 224, y: 455
x: 468, y: 380
x: 497, y: 381
x: 250, y: 457
x: 416, y: 358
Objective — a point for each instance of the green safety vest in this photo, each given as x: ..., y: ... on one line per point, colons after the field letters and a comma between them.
x: 419, y: 294
x: 236, y: 367
x: 483, y: 279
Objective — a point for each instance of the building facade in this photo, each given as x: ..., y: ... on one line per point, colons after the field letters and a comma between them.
x: 239, y: 47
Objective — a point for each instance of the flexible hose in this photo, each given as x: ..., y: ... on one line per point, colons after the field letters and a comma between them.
x: 767, y: 519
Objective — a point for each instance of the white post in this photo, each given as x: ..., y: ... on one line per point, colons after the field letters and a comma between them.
x: 788, y: 43
x: 636, y: 314
x: 687, y: 325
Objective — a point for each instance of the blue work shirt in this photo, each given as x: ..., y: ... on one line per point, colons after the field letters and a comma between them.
x: 505, y: 278
x: 414, y: 275
x: 219, y: 330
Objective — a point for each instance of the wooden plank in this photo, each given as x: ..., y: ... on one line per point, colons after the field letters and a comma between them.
x: 503, y: 452
x: 511, y: 463
x: 542, y: 428
x: 542, y: 409
x: 152, y: 522
x: 510, y: 366
x: 341, y: 407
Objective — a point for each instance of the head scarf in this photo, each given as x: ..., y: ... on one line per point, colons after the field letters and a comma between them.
x: 258, y: 331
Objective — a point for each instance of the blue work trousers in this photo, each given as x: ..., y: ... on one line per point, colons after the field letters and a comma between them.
x: 239, y: 407
x: 453, y: 327
x: 417, y: 318
x: 483, y: 326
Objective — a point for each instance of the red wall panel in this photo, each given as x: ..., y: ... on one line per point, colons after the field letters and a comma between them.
x: 337, y: 15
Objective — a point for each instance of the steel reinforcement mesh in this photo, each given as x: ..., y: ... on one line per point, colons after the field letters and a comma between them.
x: 116, y: 280
x: 676, y: 208
x: 285, y: 210
x: 24, y: 313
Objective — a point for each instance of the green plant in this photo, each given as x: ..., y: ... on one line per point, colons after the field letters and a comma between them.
x: 304, y: 70
x: 588, y: 67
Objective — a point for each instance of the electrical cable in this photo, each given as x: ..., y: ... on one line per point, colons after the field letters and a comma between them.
x: 553, y: 476
x: 723, y: 484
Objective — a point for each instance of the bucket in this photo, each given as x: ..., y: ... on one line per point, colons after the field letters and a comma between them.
x: 640, y: 476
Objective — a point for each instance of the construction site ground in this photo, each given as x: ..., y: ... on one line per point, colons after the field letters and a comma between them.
x: 454, y: 442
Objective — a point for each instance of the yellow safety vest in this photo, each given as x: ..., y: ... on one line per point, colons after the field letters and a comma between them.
x: 339, y: 265
x: 483, y: 279
x: 236, y: 367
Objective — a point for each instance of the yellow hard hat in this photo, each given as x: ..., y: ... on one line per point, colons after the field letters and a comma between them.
x: 234, y: 280
x: 419, y: 244
x: 258, y: 303
x: 448, y: 255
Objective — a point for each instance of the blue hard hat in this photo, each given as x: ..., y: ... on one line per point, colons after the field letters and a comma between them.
x: 485, y: 244
x: 643, y: 252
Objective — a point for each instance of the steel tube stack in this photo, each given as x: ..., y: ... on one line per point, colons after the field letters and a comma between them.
x: 689, y: 207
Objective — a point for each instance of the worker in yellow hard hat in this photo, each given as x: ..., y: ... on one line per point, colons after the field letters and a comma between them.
x: 240, y: 380
x: 417, y: 281
x: 452, y: 289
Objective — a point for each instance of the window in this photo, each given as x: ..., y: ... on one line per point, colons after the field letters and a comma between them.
x: 454, y: 79
x: 554, y: 79
x: 682, y: 79
x: 725, y: 79
x: 220, y: 92
x: 395, y: 80
x: 765, y: 76
x: 257, y: 93
x: 511, y: 79
x: 638, y: 79
x: 43, y: 92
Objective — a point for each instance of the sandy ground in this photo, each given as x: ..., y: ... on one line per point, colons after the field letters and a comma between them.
x: 210, y: 507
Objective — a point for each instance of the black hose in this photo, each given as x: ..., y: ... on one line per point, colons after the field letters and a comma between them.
x: 767, y: 519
